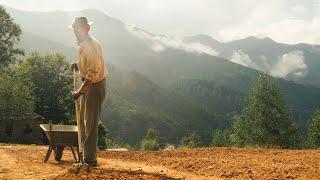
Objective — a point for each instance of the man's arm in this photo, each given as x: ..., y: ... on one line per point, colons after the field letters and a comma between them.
x: 90, y: 75
x: 85, y: 85
x: 83, y: 89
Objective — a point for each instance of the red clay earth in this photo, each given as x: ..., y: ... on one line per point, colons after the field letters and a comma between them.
x: 26, y: 162
x: 99, y: 173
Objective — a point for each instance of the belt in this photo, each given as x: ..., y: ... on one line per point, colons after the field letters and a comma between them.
x: 83, y: 79
x: 99, y: 82
x: 96, y: 83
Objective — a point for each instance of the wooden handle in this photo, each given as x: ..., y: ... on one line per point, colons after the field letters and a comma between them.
x: 75, y: 80
x: 77, y: 108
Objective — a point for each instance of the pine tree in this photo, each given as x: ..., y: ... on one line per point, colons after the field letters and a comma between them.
x: 265, y: 121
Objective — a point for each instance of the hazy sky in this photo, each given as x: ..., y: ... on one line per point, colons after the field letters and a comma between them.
x: 288, y: 21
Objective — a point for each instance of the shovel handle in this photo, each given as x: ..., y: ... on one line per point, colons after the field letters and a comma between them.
x: 75, y: 80
x: 77, y: 107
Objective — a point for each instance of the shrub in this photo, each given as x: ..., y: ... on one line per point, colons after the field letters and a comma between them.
x: 190, y: 141
x: 102, y: 133
x: 221, y: 138
x: 150, y: 142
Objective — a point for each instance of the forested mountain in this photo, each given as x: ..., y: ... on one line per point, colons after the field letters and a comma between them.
x: 230, y: 99
x: 176, y: 86
x: 135, y: 104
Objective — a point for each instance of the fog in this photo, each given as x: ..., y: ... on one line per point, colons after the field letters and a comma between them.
x: 288, y: 21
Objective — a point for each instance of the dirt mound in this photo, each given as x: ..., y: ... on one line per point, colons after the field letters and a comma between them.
x: 99, y: 173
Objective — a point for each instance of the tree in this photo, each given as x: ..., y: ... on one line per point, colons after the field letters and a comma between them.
x: 9, y: 36
x: 51, y: 78
x: 314, y: 130
x: 190, y: 141
x: 151, y: 141
x: 265, y: 121
x: 16, y: 102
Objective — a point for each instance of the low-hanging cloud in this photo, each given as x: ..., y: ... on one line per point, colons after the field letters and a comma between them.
x: 239, y: 57
x: 161, y: 43
x: 290, y: 63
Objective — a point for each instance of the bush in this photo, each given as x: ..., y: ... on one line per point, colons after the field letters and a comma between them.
x: 102, y: 133
x: 221, y: 138
x: 150, y: 145
x: 105, y: 141
x: 117, y: 143
x: 190, y: 141
x: 150, y: 142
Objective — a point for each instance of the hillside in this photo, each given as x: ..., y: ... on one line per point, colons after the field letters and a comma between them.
x: 230, y: 99
x: 135, y: 104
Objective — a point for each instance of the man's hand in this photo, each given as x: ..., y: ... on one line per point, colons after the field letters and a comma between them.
x: 76, y: 95
x: 74, y: 66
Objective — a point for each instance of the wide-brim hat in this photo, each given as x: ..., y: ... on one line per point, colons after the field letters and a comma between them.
x: 79, y: 22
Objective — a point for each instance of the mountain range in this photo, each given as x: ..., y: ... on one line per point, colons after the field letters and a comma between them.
x: 178, y: 85
x: 298, y: 62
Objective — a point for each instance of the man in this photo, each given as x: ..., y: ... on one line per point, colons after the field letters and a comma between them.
x: 93, y: 72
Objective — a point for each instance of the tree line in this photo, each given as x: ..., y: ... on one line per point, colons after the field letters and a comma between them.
x: 264, y: 122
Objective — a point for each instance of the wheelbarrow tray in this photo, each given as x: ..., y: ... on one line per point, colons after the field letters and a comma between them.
x: 61, y: 135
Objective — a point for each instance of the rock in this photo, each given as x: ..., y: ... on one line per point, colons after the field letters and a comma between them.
x: 169, y: 148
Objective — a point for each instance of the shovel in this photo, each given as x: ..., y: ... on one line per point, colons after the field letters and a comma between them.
x: 79, y: 124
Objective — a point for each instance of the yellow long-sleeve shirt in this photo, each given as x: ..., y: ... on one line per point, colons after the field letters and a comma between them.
x: 91, y: 63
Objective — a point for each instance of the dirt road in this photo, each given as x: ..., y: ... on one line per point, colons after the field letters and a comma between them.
x: 26, y: 162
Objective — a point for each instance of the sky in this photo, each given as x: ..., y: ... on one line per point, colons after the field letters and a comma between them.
x: 287, y: 21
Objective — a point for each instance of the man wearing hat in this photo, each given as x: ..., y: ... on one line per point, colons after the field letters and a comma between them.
x: 93, y: 72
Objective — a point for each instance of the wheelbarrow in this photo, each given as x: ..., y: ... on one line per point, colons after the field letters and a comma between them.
x: 61, y: 136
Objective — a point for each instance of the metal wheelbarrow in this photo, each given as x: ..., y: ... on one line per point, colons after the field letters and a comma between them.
x: 61, y: 136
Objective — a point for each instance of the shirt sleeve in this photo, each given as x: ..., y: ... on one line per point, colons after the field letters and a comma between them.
x: 106, y: 72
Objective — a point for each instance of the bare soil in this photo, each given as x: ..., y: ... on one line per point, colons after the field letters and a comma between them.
x: 26, y: 162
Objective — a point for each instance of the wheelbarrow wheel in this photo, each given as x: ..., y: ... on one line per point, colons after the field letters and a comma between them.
x: 58, y: 151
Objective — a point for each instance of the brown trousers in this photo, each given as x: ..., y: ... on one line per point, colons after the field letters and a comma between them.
x: 90, y: 110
